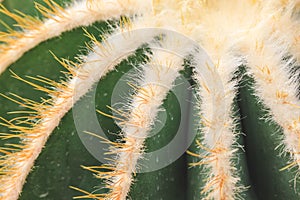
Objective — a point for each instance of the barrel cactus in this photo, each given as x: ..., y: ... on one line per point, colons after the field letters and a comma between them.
x: 154, y: 99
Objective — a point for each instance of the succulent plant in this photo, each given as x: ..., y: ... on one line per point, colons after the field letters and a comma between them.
x: 158, y: 99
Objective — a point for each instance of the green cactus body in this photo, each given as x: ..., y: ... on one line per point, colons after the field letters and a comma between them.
x: 59, y: 170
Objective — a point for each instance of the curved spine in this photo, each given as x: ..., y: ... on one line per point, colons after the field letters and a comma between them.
x: 103, y: 58
x: 157, y: 79
x: 217, y: 127
x: 267, y: 63
x: 59, y: 20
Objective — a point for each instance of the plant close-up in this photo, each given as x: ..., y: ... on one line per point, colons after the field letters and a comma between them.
x: 149, y: 99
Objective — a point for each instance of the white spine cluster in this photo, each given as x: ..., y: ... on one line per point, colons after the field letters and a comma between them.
x: 104, y: 57
x: 265, y: 58
x: 217, y: 93
x: 79, y: 13
x: 284, y: 24
x: 157, y: 80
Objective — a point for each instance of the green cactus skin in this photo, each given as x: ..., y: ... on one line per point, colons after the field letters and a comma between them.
x: 58, y: 166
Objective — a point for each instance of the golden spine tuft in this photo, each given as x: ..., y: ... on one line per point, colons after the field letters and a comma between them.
x: 33, y: 131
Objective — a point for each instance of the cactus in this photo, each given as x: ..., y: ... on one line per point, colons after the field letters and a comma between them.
x: 225, y: 71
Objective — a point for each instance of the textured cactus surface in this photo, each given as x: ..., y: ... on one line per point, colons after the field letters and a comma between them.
x: 247, y: 131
